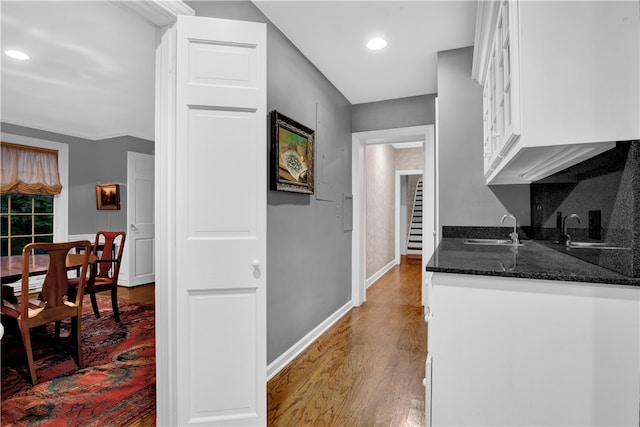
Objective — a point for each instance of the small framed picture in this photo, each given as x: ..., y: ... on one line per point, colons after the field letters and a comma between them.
x: 108, y: 197
x: 292, y: 155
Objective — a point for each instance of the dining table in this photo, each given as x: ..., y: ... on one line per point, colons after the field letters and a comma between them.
x: 11, y: 270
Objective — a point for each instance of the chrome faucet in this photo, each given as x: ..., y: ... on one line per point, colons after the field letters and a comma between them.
x: 514, y: 235
x: 566, y: 238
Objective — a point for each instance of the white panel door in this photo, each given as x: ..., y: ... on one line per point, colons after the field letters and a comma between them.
x: 221, y: 160
x: 139, y: 248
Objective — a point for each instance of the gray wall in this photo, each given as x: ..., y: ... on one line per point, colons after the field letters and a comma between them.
x: 92, y: 162
x: 465, y: 198
x: 308, y: 253
x: 102, y: 161
x: 394, y: 113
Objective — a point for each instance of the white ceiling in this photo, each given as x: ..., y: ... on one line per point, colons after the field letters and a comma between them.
x: 92, y: 69
x: 333, y: 35
x: 91, y: 72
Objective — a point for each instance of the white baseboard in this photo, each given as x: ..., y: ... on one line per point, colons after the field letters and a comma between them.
x: 89, y: 237
x: 287, y: 357
x: 371, y: 280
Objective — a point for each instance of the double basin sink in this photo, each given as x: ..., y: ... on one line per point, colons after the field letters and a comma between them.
x: 491, y: 242
x: 571, y: 245
x: 592, y: 245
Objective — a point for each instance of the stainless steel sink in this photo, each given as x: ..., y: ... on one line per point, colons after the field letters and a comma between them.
x: 594, y: 245
x: 491, y: 242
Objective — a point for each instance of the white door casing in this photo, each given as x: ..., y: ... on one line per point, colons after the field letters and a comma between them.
x: 430, y: 216
x: 358, y: 236
x: 139, y: 248
x: 220, y: 275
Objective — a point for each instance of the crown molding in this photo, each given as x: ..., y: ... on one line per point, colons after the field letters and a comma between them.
x: 486, y: 21
x: 159, y: 13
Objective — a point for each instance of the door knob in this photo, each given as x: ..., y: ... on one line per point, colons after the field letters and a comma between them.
x: 256, y: 268
x: 133, y: 227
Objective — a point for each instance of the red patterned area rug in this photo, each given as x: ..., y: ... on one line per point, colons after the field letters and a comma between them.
x: 115, y: 387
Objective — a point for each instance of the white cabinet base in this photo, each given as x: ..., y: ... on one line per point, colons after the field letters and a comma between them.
x: 522, y: 352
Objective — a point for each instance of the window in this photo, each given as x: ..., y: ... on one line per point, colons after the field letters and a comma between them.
x: 33, y: 189
x: 25, y: 219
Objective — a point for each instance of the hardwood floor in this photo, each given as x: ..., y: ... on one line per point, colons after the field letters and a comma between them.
x: 366, y: 370
x: 144, y: 294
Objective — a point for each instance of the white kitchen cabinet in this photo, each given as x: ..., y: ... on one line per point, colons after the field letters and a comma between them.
x: 427, y: 293
x: 500, y: 97
x: 560, y: 83
x: 511, y: 351
x: 427, y: 391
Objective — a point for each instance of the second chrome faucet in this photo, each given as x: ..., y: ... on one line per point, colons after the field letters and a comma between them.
x: 514, y: 234
x: 565, y: 238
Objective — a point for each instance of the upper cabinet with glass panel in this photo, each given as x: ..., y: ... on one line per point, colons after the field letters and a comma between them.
x: 560, y: 83
x: 500, y: 96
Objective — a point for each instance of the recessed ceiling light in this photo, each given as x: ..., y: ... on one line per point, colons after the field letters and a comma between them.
x: 16, y: 54
x: 376, y: 43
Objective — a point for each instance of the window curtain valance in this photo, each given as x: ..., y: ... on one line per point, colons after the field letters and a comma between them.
x: 29, y: 170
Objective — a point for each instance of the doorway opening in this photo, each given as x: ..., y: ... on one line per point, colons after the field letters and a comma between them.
x: 360, y: 140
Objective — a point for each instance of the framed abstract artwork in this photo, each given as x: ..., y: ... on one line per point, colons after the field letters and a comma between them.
x: 292, y: 155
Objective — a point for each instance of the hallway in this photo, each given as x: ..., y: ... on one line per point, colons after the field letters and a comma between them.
x: 366, y: 370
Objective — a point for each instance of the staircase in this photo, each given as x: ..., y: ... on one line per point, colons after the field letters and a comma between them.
x: 414, y: 241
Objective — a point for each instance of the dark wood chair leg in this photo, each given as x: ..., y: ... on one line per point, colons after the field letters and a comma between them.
x: 94, y: 304
x: 26, y: 340
x: 114, y: 303
x: 76, y: 326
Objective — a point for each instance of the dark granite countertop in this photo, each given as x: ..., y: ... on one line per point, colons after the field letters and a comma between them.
x: 534, y: 260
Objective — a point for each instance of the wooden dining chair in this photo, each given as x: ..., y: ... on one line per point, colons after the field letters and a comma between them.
x: 52, y: 303
x: 108, y: 247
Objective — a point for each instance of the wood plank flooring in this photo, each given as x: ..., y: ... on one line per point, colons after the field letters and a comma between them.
x: 366, y: 370
x: 144, y: 294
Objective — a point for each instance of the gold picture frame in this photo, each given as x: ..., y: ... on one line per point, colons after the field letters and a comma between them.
x: 108, y: 197
x: 292, y: 155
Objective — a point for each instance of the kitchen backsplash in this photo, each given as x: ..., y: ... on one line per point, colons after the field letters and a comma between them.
x: 604, y: 192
